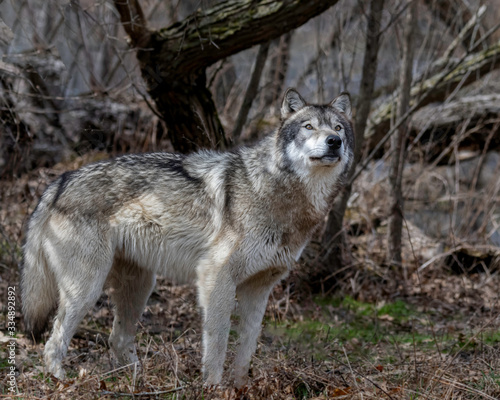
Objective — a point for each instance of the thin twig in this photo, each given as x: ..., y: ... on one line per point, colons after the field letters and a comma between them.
x: 460, y: 37
x: 111, y: 393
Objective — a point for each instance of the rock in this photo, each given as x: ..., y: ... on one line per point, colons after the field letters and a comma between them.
x: 458, y: 201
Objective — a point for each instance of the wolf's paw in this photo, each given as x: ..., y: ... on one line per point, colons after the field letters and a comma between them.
x: 240, y: 377
x: 211, y: 379
x: 57, y: 371
x: 125, y: 354
x: 134, y: 366
x: 241, y: 382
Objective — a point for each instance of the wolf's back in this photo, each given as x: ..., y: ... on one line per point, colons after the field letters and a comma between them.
x: 38, y: 285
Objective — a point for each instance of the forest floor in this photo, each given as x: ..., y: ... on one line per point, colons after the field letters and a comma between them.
x: 381, y: 334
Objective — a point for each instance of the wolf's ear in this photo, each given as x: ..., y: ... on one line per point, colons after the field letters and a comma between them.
x: 292, y: 102
x: 342, y: 103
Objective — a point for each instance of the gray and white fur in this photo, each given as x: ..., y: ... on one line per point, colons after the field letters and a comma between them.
x: 234, y: 223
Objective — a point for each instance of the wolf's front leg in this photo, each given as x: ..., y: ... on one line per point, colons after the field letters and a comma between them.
x: 217, y: 300
x: 252, y: 300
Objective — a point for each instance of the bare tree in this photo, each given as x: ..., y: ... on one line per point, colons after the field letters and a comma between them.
x: 277, y: 72
x: 173, y: 60
x: 332, y: 237
x: 398, y: 142
x: 252, y: 89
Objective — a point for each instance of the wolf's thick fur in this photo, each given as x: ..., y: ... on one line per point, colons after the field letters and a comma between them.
x: 234, y: 223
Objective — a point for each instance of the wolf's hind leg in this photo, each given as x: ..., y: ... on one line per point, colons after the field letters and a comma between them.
x: 252, y: 297
x: 78, y: 293
x: 131, y: 287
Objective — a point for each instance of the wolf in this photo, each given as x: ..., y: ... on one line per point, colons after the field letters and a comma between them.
x: 234, y: 223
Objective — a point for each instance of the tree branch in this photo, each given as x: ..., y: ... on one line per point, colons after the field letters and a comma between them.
x: 228, y: 28
x: 133, y: 21
x: 454, y: 14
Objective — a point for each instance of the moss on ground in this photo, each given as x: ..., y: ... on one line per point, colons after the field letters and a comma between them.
x: 382, y: 332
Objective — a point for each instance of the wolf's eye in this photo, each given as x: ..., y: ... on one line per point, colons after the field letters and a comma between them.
x: 309, y: 127
x: 338, y: 128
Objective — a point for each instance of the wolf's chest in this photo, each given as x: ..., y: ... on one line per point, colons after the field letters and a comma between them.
x: 272, y: 246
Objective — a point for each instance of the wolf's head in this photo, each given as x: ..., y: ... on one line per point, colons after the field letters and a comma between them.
x: 316, y: 138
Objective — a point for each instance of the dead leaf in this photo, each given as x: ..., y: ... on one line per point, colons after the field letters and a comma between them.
x: 337, y: 392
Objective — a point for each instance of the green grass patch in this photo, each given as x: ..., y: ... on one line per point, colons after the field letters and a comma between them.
x: 399, y: 310
x: 367, y: 330
x: 489, y: 337
x: 359, y: 326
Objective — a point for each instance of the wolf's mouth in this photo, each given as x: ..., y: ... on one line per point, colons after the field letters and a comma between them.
x: 326, y: 157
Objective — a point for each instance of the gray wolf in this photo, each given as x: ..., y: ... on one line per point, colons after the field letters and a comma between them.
x: 234, y: 223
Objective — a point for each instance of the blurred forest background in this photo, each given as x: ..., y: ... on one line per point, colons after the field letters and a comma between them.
x: 397, y: 297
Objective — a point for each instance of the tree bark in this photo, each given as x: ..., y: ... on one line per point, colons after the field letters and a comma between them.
x: 398, y: 145
x: 173, y: 60
x: 332, y: 237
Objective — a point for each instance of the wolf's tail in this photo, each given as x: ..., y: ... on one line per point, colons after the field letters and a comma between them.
x: 39, y: 292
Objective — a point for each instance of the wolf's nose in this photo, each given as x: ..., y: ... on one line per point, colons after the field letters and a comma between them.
x: 334, y: 142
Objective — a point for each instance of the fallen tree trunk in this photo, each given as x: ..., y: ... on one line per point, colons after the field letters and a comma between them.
x: 434, y: 89
x: 470, y: 123
x: 444, y: 116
